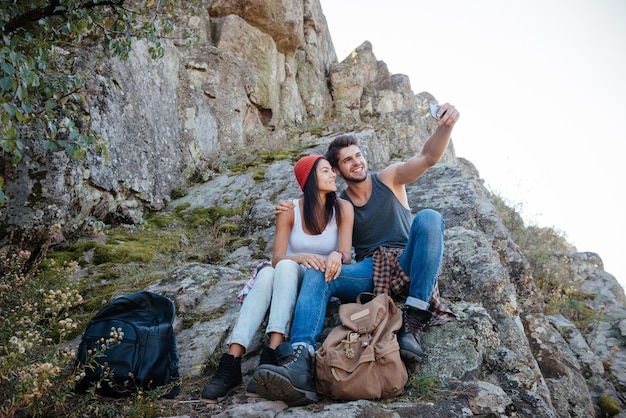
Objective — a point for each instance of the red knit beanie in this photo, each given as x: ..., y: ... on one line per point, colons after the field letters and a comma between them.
x: 303, y: 168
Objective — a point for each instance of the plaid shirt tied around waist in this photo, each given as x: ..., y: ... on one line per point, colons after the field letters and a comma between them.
x: 246, y: 289
x: 388, y: 277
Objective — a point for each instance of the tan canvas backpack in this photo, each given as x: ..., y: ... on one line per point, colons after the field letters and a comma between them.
x: 360, y: 359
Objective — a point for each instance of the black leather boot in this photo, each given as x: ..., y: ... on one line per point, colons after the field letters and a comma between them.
x: 226, y: 378
x: 268, y: 355
x: 291, y: 382
x: 271, y: 356
x: 409, y: 336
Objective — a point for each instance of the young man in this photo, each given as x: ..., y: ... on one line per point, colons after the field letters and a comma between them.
x: 392, y: 251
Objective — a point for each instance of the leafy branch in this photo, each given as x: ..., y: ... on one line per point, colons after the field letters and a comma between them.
x: 40, y: 91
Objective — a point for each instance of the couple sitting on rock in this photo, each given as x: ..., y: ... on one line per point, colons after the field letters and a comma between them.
x: 396, y: 253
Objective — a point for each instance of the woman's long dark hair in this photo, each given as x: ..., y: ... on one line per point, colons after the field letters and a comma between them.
x: 312, y: 205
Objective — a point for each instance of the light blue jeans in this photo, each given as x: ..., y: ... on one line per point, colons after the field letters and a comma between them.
x: 421, y: 261
x: 276, y: 289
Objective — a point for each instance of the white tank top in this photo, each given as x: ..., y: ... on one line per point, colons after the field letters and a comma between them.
x: 300, y: 242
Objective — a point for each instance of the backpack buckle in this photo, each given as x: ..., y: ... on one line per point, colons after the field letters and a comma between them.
x: 351, y: 338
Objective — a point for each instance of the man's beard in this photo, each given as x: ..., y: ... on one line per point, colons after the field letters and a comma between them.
x: 353, y: 179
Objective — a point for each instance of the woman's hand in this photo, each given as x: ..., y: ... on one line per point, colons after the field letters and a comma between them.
x: 313, y: 261
x: 333, y: 266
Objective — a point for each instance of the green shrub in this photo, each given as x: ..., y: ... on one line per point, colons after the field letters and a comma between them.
x: 35, y: 374
x: 423, y: 386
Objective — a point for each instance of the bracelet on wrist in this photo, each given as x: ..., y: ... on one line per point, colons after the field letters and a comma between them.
x: 343, y: 256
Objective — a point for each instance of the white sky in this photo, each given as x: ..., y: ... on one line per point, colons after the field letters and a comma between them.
x: 541, y: 87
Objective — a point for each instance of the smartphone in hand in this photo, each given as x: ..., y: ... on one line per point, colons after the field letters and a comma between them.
x: 433, y: 111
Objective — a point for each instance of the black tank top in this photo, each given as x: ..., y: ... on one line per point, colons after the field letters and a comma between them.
x: 382, y: 221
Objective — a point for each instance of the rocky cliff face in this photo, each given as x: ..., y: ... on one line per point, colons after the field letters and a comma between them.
x: 258, y: 66
x: 262, y: 73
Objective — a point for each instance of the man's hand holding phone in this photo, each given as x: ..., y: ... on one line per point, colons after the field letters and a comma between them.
x: 434, y: 110
x: 441, y: 114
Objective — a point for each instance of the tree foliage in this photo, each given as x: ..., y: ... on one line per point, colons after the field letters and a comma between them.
x: 40, y: 91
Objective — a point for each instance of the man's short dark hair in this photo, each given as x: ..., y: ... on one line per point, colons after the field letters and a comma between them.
x: 337, y: 144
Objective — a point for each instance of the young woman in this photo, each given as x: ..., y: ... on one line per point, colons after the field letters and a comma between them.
x: 315, y: 233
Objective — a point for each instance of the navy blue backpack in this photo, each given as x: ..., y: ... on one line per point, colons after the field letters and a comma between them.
x: 146, y: 356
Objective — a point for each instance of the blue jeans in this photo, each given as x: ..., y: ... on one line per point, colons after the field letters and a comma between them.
x: 273, y: 289
x: 421, y: 261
